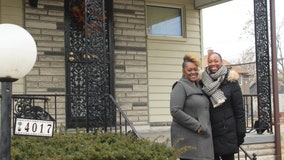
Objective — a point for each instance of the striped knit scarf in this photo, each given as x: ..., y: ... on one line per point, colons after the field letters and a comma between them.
x: 211, y: 85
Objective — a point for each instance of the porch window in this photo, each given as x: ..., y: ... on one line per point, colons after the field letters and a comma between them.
x: 164, y: 21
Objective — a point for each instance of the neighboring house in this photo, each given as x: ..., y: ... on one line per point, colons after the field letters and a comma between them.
x: 281, y: 103
x: 253, y: 90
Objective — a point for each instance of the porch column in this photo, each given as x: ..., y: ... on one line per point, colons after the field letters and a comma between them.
x: 262, y: 64
x: 263, y: 69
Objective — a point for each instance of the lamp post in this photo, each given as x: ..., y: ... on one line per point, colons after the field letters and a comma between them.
x: 18, y: 53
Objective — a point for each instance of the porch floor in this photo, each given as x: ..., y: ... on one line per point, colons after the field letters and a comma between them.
x: 162, y: 133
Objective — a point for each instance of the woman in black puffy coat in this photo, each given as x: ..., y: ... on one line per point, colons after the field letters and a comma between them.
x: 227, y: 113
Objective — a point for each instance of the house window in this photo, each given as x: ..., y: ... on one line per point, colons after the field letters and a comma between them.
x: 164, y: 21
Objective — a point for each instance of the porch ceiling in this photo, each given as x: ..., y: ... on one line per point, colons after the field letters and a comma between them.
x: 201, y: 4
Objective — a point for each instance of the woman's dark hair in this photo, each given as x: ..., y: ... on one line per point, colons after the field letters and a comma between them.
x: 185, y: 60
x: 216, y: 54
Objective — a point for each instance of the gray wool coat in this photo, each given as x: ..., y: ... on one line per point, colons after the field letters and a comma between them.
x: 189, y: 107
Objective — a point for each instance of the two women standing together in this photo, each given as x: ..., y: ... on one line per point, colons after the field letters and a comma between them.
x: 208, y: 113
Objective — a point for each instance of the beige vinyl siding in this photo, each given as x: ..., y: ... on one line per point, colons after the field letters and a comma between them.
x: 11, y: 11
x: 165, y: 58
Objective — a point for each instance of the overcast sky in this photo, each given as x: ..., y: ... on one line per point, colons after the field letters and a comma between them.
x: 223, y: 25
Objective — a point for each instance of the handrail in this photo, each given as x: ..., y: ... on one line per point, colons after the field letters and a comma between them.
x: 253, y: 121
x: 122, y: 113
x: 247, y: 156
x: 248, y: 103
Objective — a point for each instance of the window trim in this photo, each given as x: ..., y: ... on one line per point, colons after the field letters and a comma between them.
x: 165, y: 37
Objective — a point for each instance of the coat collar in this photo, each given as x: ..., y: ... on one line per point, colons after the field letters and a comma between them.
x: 192, y: 84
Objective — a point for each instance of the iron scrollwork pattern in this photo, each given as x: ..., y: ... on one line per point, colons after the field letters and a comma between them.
x: 262, y: 64
x: 88, y: 64
x: 25, y: 107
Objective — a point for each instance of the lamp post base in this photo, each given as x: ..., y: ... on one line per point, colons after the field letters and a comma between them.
x: 6, y: 120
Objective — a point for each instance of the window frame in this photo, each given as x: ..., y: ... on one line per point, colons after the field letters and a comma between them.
x: 168, y: 37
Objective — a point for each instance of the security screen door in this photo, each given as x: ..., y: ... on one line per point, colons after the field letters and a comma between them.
x: 88, y: 41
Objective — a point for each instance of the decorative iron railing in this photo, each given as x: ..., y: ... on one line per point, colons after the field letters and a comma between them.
x: 51, y: 107
x: 122, y: 121
x: 246, y: 154
x: 254, y: 122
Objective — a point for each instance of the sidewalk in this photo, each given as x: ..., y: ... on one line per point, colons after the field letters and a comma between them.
x: 157, y: 133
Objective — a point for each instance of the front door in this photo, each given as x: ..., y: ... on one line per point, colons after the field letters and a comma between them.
x: 88, y: 45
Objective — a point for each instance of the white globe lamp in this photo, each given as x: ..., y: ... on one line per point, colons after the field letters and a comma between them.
x: 18, y: 52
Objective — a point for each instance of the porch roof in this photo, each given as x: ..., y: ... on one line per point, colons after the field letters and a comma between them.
x: 201, y: 4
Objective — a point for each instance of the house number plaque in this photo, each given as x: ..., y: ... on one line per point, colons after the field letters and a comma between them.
x: 33, y: 127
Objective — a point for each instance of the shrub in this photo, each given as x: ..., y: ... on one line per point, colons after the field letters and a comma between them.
x: 86, y: 146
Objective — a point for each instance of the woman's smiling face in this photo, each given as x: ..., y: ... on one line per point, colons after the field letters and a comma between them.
x: 214, y: 62
x: 190, y: 71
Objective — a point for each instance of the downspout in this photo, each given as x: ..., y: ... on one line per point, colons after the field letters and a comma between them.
x: 275, y: 81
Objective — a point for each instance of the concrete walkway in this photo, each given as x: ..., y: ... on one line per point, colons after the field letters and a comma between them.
x: 158, y: 134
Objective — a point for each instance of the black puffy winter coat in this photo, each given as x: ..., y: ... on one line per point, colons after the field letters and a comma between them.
x: 228, y: 120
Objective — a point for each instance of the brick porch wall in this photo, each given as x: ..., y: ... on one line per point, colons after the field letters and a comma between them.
x: 46, y: 24
x: 131, y: 83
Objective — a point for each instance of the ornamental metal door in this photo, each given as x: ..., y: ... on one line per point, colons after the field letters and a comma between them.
x: 88, y: 48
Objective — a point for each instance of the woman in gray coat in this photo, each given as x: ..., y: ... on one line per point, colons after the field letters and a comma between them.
x: 190, y: 111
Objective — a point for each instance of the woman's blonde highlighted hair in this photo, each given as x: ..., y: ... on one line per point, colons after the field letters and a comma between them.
x: 191, y: 57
